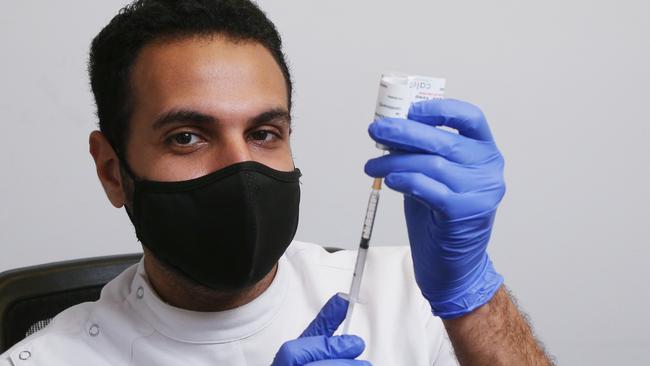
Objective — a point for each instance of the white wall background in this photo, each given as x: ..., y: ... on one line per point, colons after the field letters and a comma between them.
x: 563, y: 83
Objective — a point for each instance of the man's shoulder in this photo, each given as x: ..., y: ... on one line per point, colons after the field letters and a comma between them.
x: 388, y: 292
x: 46, y: 346
x: 69, y: 337
x: 314, y: 266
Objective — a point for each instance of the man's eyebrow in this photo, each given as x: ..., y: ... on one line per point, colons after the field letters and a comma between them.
x: 182, y: 115
x: 188, y: 115
x: 274, y: 114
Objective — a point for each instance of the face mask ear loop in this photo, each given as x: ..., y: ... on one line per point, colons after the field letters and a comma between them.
x: 125, y: 165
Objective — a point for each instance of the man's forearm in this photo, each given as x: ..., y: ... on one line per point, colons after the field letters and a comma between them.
x: 495, y: 334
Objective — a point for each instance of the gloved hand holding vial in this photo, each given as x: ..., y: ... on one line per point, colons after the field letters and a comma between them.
x: 452, y: 184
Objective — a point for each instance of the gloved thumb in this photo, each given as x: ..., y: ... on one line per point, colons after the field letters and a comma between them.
x: 329, y: 318
x: 305, y: 350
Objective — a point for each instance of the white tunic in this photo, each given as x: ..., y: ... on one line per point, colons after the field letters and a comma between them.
x: 131, y: 325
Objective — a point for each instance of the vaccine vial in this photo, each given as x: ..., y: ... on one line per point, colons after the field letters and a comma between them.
x: 397, y: 91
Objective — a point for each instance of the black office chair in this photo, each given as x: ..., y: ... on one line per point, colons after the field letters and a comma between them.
x: 30, y: 297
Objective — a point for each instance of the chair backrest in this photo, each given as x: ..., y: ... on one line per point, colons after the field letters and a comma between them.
x: 30, y: 297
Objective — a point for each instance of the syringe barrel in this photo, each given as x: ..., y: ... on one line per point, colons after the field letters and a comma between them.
x: 358, y: 274
x: 369, y: 221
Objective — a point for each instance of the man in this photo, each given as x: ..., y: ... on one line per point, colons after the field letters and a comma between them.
x: 194, y: 99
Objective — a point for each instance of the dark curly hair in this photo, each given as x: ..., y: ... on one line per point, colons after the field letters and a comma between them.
x: 114, y: 50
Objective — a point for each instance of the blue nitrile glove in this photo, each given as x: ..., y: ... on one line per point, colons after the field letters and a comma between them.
x: 452, y: 185
x: 316, y: 346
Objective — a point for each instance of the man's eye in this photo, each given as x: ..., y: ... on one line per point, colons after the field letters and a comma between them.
x: 262, y: 135
x: 185, y: 138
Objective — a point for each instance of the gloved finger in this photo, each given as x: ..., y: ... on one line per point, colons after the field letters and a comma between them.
x: 458, y: 178
x: 440, y: 198
x: 302, y: 351
x: 340, y: 363
x: 412, y: 136
x: 329, y: 318
x: 467, y: 118
x: 429, y: 191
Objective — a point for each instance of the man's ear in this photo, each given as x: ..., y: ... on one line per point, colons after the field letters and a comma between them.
x: 108, y: 168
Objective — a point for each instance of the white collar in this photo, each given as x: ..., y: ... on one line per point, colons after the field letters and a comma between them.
x: 208, y: 327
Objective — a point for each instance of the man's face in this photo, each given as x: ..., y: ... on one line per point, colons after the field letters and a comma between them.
x: 203, y: 103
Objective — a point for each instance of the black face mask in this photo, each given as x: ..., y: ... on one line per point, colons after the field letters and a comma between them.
x: 225, y: 230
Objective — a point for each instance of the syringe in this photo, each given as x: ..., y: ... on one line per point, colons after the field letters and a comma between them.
x: 396, y: 93
x: 366, y: 233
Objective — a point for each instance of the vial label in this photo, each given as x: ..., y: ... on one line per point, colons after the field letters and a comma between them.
x: 398, y: 91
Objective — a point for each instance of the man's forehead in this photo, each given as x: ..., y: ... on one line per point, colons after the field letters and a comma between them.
x: 207, y: 74
x: 214, y: 59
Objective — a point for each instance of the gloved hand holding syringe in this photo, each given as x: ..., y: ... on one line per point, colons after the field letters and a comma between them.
x: 396, y: 94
